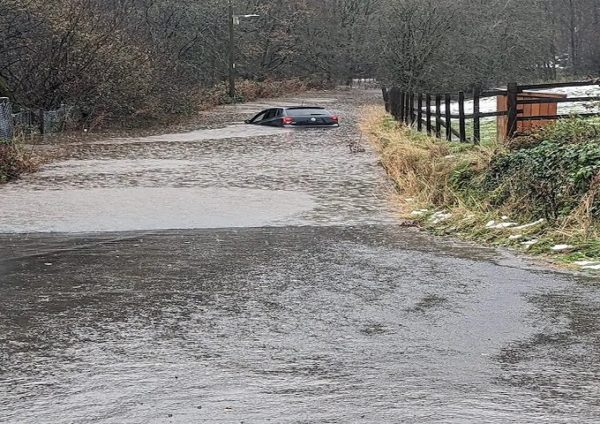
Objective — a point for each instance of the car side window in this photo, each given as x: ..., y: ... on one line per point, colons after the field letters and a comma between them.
x: 279, y: 112
x: 259, y: 117
x: 271, y: 113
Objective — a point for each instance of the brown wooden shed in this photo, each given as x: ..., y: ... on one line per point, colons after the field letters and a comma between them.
x: 527, y: 110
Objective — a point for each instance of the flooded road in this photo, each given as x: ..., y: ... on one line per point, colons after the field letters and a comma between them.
x: 263, y: 277
x: 180, y: 181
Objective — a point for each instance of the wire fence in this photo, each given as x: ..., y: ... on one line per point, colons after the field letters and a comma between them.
x: 56, y: 120
x: 6, y: 120
x: 25, y: 121
x: 33, y: 121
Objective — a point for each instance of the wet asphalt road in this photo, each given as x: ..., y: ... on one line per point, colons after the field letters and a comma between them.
x: 254, y: 275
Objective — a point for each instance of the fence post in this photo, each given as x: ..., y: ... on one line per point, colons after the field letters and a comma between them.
x: 393, y: 101
x: 461, y: 114
x: 511, y: 127
x: 447, y: 112
x: 476, y: 117
x: 438, y: 115
x: 402, y: 106
x: 407, y: 108
x: 428, y: 113
x: 412, y: 109
x: 386, y: 98
x: 398, y: 108
x: 420, y: 112
x: 41, y: 122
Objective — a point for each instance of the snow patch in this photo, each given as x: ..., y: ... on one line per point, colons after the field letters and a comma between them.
x: 586, y: 263
x: 438, y: 217
x: 530, y: 243
x: 562, y: 248
x: 531, y: 224
x: 499, y: 225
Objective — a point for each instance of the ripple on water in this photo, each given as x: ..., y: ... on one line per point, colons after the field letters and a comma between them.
x: 228, y: 132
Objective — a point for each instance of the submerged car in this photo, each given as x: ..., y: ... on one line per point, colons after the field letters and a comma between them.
x: 296, y: 116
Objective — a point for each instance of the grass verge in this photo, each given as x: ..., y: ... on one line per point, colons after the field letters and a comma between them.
x: 15, y: 160
x: 539, y: 194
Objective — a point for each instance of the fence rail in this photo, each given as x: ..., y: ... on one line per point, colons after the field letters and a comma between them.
x: 424, y: 110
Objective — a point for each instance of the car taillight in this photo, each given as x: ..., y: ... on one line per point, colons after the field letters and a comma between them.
x: 334, y: 118
x: 288, y: 120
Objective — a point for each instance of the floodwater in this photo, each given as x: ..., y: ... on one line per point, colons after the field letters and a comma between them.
x: 265, y: 278
x: 250, y: 175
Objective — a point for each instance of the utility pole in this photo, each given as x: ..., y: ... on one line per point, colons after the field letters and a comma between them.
x: 231, y: 54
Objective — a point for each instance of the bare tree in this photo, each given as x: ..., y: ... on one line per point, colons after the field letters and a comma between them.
x: 148, y: 57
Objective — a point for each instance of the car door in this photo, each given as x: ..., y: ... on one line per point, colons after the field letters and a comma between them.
x: 271, y: 118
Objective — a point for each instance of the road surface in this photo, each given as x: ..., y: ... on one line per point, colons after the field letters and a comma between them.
x: 246, y: 274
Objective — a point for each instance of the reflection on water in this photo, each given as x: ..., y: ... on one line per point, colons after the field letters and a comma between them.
x: 142, y: 208
x: 559, y: 362
x: 289, y: 325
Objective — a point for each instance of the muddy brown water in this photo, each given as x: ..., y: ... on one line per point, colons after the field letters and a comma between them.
x: 243, y: 274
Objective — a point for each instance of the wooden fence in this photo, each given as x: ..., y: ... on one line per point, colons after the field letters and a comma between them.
x: 424, y: 110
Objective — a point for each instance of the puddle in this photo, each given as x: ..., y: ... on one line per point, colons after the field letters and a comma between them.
x: 90, y: 167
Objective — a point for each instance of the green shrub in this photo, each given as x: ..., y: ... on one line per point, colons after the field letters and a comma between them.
x: 548, y: 178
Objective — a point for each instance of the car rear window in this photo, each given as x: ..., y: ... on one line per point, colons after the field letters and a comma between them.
x: 298, y: 113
